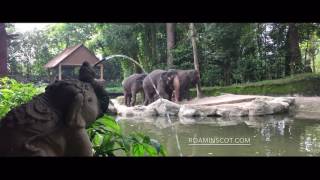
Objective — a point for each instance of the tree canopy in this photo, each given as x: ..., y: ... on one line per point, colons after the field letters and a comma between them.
x: 228, y: 52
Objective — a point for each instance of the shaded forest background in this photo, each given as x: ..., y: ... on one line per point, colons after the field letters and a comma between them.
x: 229, y: 53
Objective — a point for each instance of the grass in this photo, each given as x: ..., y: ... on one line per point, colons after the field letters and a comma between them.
x: 114, y: 89
x: 307, y: 84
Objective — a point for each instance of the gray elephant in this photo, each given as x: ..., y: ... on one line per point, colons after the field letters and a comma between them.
x: 131, y: 86
x: 53, y: 123
x: 187, y: 79
x: 163, y: 81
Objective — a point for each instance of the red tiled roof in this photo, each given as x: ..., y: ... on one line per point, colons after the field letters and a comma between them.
x: 62, y: 56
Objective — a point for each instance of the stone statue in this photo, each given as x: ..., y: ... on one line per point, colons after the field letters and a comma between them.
x: 53, y: 123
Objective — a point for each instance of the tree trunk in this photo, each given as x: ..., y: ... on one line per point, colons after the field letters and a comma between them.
x: 170, y: 42
x: 305, y: 53
x: 3, y: 50
x: 313, y: 65
x: 147, y: 47
x: 195, y: 57
x: 294, y: 49
x: 153, y: 31
x: 287, y: 57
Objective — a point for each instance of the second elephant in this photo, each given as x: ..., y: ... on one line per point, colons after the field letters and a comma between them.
x: 187, y: 79
x: 131, y: 86
x: 159, y: 81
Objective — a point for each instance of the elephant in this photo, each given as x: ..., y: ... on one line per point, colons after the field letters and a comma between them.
x: 54, y: 123
x: 131, y: 86
x: 187, y: 79
x: 163, y: 81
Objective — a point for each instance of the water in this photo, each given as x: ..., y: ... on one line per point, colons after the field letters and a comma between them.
x: 254, y: 136
x: 248, y: 136
x: 135, y: 62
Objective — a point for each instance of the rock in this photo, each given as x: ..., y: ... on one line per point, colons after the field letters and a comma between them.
x: 231, y: 110
x: 120, y: 100
x: 239, y: 112
x: 288, y: 100
x: 187, y: 120
x: 194, y: 111
x: 112, y: 109
x: 140, y: 111
x: 265, y: 106
x: 164, y: 106
x: 257, y: 107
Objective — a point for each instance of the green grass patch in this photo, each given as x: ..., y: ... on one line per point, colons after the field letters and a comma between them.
x: 307, y: 84
x: 114, y: 89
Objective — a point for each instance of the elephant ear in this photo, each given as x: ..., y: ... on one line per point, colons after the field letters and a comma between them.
x: 74, y: 117
x: 168, y: 76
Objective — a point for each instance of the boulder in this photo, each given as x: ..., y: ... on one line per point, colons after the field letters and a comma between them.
x: 140, y: 111
x: 257, y: 107
x: 231, y: 110
x: 265, y: 106
x: 163, y: 106
x: 195, y: 111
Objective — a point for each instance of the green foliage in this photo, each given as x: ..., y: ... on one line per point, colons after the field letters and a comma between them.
x: 107, y: 140
x: 114, y: 89
x: 13, y: 94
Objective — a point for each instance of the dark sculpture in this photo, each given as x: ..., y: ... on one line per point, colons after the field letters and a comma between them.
x: 187, y: 79
x: 164, y: 81
x: 131, y: 86
x: 53, y: 123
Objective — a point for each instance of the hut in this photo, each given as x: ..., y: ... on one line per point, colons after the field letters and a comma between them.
x: 64, y: 65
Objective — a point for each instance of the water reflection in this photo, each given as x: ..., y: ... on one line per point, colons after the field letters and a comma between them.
x: 269, y: 135
x: 310, y: 140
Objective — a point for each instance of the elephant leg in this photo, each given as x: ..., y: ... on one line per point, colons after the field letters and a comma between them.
x: 182, y: 95
x: 133, y: 92
x: 187, y: 94
x: 129, y: 99
x: 176, y: 86
x: 133, y: 102
x: 162, y: 92
x: 126, y: 99
x: 147, y: 98
x: 143, y: 96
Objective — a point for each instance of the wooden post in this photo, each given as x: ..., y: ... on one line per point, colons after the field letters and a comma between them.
x: 195, y: 57
x: 59, y: 72
x: 101, y: 71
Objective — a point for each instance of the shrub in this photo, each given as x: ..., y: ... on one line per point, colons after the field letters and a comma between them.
x: 13, y: 93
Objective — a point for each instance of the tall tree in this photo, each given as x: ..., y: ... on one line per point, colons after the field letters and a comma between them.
x: 3, y: 50
x: 170, y: 42
x: 153, y: 31
x: 294, y: 49
x: 195, y: 56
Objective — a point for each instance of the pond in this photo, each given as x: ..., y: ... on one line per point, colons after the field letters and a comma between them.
x: 272, y: 135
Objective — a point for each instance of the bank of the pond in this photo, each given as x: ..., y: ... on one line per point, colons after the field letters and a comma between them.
x: 303, y: 84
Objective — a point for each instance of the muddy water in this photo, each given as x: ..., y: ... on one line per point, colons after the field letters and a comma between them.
x: 259, y: 136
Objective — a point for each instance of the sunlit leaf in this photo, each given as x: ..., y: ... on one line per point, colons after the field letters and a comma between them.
x: 150, y: 149
x: 137, y: 150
